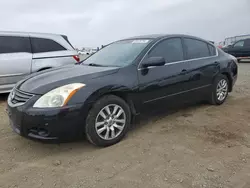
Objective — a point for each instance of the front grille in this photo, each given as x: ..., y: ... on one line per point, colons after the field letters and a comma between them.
x: 19, y: 97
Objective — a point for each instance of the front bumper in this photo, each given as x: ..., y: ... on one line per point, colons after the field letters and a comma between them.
x: 47, y: 124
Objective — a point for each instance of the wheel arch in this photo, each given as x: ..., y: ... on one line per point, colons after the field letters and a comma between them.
x: 126, y: 98
x: 229, y: 79
x: 122, y: 92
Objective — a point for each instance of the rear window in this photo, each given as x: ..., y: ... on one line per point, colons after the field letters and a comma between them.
x: 14, y: 44
x: 40, y: 45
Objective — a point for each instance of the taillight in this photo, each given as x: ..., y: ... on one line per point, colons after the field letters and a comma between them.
x: 77, y: 58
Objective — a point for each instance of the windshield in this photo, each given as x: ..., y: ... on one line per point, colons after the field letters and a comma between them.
x: 117, y: 54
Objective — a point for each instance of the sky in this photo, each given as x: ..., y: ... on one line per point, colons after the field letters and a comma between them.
x: 91, y: 23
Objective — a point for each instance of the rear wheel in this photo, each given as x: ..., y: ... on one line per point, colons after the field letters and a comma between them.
x: 219, y: 90
x: 108, y: 121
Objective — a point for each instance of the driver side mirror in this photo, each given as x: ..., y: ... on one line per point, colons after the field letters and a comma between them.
x: 153, y: 61
x: 230, y: 46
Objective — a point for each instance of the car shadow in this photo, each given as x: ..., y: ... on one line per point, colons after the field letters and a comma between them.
x: 81, y: 143
x: 3, y: 97
x: 160, y: 112
x: 149, y: 116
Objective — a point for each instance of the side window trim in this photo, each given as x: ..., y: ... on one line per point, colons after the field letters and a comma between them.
x: 186, y: 60
x: 31, y: 47
x: 211, y: 52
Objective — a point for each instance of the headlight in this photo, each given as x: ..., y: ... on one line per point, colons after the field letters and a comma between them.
x: 58, y: 97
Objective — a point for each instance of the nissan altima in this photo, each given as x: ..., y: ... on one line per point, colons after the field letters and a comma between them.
x: 100, y: 96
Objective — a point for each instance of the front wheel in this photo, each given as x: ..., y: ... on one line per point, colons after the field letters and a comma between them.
x: 108, y: 121
x: 219, y: 90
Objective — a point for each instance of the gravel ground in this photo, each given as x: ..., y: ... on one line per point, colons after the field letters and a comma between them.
x: 199, y: 146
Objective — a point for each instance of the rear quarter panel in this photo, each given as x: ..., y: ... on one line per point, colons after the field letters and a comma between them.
x: 228, y: 67
x: 46, y: 60
x: 13, y: 67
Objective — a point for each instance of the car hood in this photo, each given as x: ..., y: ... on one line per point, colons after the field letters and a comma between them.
x: 44, y: 81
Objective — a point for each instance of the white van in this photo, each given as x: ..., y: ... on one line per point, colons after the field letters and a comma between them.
x: 24, y: 53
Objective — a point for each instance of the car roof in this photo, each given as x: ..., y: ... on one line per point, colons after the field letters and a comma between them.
x: 59, y: 38
x: 19, y: 33
x: 160, y: 36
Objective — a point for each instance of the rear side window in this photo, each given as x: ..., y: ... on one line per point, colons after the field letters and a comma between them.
x: 14, y: 44
x: 196, y: 48
x: 40, y: 45
x: 212, y: 50
x: 170, y: 49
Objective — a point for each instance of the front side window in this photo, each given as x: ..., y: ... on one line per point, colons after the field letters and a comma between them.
x: 118, y: 54
x: 40, y: 45
x: 14, y: 44
x: 196, y: 48
x: 170, y: 49
x: 239, y: 44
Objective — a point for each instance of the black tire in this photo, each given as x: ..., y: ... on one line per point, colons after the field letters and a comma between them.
x: 214, y: 100
x: 90, y: 129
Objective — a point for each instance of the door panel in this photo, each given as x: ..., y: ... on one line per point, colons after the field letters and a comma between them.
x: 15, y: 60
x: 163, y: 82
x: 202, y: 72
x: 201, y: 59
x: 236, y: 51
x: 13, y: 67
x: 246, y: 50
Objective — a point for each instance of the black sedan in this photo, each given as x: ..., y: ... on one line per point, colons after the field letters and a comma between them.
x: 99, y: 96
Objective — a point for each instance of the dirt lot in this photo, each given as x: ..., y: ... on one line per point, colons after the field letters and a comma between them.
x: 200, y: 146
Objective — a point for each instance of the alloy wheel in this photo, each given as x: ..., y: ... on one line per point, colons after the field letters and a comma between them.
x: 222, y: 89
x: 110, y: 122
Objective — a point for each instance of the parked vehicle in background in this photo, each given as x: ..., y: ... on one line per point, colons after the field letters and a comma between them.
x: 231, y: 40
x: 220, y: 44
x: 240, y: 49
x: 24, y: 53
x: 100, y: 96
